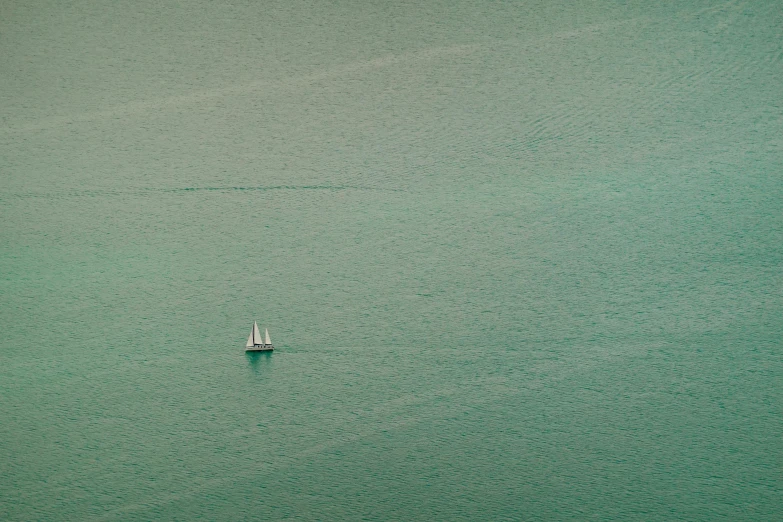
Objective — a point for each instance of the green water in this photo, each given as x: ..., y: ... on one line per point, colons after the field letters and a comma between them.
x: 520, y: 261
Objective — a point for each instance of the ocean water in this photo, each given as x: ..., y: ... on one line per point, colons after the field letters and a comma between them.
x: 519, y: 260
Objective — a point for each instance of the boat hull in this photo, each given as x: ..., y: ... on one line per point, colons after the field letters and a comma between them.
x: 261, y: 348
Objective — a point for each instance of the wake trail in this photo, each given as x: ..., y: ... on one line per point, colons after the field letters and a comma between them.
x: 396, y: 413
x: 203, y: 96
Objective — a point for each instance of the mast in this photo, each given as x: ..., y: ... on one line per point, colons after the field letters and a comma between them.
x: 268, y: 341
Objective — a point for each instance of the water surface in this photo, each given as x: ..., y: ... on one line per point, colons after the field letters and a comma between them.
x: 519, y: 260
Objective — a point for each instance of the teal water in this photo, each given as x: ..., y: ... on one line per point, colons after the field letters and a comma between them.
x: 520, y: 261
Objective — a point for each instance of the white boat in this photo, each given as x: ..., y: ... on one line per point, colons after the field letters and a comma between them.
x: 257, y: 344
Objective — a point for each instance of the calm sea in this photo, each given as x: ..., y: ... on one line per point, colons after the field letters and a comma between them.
x: 519, y: 260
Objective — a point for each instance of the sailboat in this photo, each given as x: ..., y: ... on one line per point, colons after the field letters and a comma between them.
x: 257, y: 344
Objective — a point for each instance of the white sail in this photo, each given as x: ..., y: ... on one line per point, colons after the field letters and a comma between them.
x: 268, y: 341
x: 256, y: 334
x: 250, y: 340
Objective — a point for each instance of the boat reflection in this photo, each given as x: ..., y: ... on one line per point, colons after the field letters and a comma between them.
x: 259, y: 361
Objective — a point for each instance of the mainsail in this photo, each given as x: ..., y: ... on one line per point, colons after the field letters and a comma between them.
x: 256, y: 334
x: 268, y: 341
